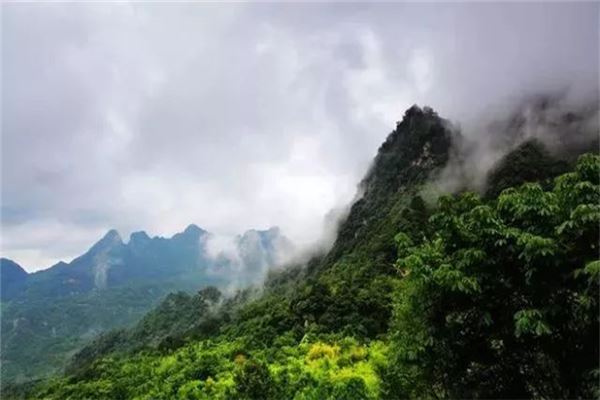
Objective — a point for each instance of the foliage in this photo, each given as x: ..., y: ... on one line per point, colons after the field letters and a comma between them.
x: 226, y: 370
x: 530, y: 162
x: 38, y: 336
x: 49, y: 315
x: 502, y: 301
x: 350, y: 290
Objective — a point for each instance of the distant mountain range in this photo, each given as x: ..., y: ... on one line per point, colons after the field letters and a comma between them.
x: 46, y: 315
x: 112, y: 263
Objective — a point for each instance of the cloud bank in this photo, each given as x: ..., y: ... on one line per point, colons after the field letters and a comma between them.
x: 236, y: 116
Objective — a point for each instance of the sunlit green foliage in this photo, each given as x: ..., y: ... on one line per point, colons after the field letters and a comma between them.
x: 341, y: 368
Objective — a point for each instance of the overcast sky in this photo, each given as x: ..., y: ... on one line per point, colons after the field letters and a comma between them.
x: 237, y: 116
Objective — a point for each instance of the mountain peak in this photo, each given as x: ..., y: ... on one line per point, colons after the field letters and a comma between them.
x: 12, y: 278
x: 419, y: 144
x: 274, y: 230
x: 529, y: 162
x: 192, y: 232
x: 110, y: 239
x: 139, y: 237
x: 193, y: 229
x: 112, y: 234
x: 414, y: 110
x: 418, y: 147
x: 417, y: 112
x: 270, y: 233
x: 6, y: 263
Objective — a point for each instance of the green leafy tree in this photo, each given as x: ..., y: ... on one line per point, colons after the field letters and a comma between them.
x: 253, y: 381
x: 503, y: 300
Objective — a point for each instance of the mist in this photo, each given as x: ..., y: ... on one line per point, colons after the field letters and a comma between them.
x: 245, y: 260
x: 566, y: 126
x: 238, y: 116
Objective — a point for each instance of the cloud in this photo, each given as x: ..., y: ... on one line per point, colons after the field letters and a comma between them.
x: 246, y: 259
x: 232, y: 116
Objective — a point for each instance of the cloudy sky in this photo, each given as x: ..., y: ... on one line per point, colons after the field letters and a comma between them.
x: 237, y: 116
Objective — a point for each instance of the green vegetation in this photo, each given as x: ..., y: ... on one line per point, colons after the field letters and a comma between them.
x: 493, y: 297
x: 49, y: 315
x: 223, y: 370
x: 530, y: 162
x: 39, y: 336
x: 502, y: 300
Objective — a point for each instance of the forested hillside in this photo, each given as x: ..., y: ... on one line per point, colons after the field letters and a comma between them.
x: 49, y: 315
x: 492, y: 296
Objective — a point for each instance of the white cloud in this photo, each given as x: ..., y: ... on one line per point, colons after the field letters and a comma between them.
x: 233, y: 116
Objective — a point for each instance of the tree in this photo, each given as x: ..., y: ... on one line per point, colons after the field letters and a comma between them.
x: 253, y: 381
x: 502, y: 301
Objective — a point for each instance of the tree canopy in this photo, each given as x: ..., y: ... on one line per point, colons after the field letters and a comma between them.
x: 502, y: 301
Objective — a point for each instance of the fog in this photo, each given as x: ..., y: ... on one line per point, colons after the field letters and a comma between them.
x: 237, y: 116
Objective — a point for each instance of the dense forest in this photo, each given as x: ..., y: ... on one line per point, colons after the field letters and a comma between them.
x: 464, y: 295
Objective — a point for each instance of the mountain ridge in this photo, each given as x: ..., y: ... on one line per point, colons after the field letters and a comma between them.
x: 111, y: 285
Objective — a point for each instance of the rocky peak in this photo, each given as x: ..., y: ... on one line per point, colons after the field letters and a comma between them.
x: 139, y: 238
x: 110, y: 240
x: 191, y: 233
x: 112, y: 236
x: 419, y: 147
x: 420, y: 143
x: 194, y: 230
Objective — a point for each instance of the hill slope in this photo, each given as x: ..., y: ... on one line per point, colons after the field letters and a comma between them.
x: 48, y: 315
x: 407, y: 297
x: 12, y: 278
x: 348, y: 291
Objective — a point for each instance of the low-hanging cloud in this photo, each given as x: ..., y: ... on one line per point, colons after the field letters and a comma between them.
x: 244, y: 260
x: 565, y: 124
x: 232, y: 116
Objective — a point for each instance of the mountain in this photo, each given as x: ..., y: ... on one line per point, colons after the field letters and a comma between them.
x: 460, y: 296
x: 347, y: 291
x: 258, y: 252
x: 12, y: 278
x: 529, y: 162
x: 352, y: 282
x: 111, y: 263
x: 48, y: 314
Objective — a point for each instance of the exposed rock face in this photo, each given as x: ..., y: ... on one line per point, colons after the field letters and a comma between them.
x: 105, y: 254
